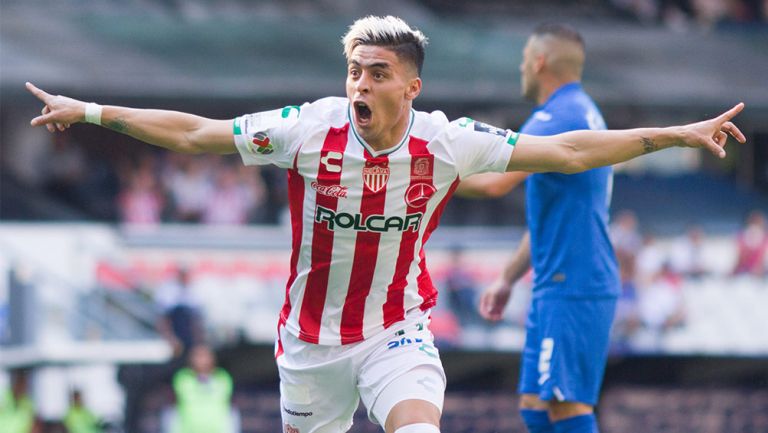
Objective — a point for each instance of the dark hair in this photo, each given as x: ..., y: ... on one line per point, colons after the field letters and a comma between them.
x: 560, y: 31
x: 409, y: 51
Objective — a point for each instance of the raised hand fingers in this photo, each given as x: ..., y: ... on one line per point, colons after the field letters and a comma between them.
x: 48, y: 126
x: 730, y: 114
x: 40, y: 94
x: 721, y: 138
x: 734, y: 131
x: 715, y: 144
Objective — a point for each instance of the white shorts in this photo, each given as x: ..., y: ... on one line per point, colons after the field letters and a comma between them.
x: 321, y: 386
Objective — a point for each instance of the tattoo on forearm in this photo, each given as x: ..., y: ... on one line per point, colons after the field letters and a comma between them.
x: 119, y: 125
x: 649, y: 146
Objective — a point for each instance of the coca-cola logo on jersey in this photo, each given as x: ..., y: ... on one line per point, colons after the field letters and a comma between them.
x: 418, y: 195
x: 330, y: 190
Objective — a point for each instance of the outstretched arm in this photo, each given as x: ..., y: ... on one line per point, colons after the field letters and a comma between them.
x: 490, y: 184
x: 577, y: 151
x: 173, y: 130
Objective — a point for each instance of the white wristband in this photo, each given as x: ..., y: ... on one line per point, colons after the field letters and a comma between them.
x: 93, y: 113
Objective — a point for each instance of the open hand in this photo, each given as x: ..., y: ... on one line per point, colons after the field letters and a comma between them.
x: 494, y: 300
x: 59, y: 112
x: 712, y: 134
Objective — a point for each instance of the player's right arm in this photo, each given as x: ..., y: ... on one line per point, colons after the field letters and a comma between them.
x: 494, y: 185
x: 173, y: 130
x: 495, y: 297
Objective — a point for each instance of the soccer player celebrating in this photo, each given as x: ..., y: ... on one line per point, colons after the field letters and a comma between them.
x: 576, y: 281
x: 368, y: 177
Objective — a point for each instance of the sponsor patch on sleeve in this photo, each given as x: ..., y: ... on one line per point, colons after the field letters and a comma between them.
x: 490, y: 129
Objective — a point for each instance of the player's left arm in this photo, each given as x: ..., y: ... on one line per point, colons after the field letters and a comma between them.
x: 494, y: 185
x: 577, y: 151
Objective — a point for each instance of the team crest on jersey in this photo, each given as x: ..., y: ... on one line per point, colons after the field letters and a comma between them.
x: 417, y: 195
x: 287, y: 428
x: 261, y: 143
x: 375, y: 176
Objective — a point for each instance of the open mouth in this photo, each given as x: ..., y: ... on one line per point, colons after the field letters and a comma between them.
x: 363, y: 112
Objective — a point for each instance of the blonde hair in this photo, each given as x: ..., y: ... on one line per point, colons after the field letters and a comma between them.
x: 389, y: 32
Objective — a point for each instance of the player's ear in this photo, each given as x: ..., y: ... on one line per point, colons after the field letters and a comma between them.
x: 413, y: 89
x: 539, y: 63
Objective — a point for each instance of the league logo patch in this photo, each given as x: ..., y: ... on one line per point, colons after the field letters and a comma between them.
x: 375, y: 177
x: 422, y: 167
x: 419, y: 194
x: 484, y: 127
x: 262, y: 144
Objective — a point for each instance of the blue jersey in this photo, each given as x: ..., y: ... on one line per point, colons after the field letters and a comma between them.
x: 571, y: 252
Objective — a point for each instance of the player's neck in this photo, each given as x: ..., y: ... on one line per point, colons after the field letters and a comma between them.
x: 550, y: 86
x: 392, y: 136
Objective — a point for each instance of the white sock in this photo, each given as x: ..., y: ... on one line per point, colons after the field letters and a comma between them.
x: 421, y: 427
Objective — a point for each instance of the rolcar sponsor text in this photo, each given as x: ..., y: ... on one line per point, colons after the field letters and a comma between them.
x: 372, y: 223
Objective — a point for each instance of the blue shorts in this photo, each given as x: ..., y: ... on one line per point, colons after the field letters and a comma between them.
x: 566, y: 347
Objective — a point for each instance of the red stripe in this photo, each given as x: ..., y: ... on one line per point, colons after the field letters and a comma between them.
x: 394, y: 310
x: 426, y: 288
x: 364, y: 263
x: 296, y: 207
x: 322, y: 238
x: 279, y: 349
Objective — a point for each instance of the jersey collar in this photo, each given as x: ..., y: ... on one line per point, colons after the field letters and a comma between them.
x: 367, y: 147
x: 565, y: 88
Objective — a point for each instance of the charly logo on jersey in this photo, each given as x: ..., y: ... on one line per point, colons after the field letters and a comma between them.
x: 417, y: 195
x: 370, y: 223
x: 337, y: 191
x: 290, y: 428
x: 332, y: 161
x: 262, y: 144
x: 375, y: 175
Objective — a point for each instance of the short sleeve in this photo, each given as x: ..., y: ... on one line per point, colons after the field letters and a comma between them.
x: 269, y: 137
x: 478, y: 147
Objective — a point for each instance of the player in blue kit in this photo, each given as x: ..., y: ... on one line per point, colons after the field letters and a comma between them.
x: 576, y: 281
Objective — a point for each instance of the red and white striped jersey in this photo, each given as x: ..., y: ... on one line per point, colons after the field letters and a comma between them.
x: 360, y: 218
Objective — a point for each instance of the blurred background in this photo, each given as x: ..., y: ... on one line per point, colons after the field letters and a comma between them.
x: 117, y: 258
